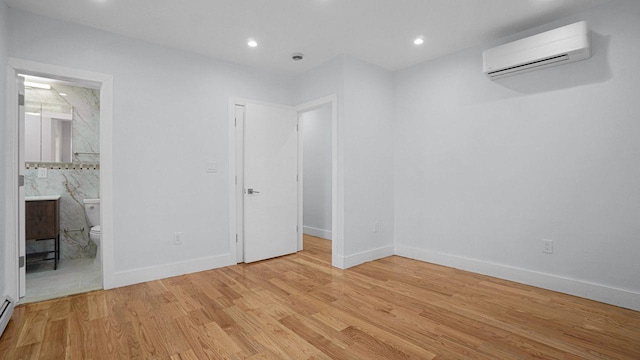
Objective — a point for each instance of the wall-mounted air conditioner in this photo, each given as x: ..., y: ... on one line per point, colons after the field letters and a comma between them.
x: 555, y: 47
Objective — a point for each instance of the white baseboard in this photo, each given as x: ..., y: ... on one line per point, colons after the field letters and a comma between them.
x: 362, y: 257
x: 151, y: 273
x: 321, y: 233
x: 609, y: 295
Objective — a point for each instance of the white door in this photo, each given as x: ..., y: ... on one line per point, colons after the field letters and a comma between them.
x: 22, y: 274
x: 270, y: 182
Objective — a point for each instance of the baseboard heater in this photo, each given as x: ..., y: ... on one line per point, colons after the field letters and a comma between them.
x: 6, y: 310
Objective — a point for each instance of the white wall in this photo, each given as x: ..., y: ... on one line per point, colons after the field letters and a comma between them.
x: 365, y: 153
x: 486, y: 170
x: 368, y: 158
x: 323, y: 81
x: 170, y: 117
x: 316, y: 129
x: 3, y: 157
x: 481, y: 170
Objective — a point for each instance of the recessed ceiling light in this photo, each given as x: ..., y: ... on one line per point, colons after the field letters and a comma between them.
x: 252, y: 43
x: 419, y: 40
x: 37, y: 85
x: 62, y: 94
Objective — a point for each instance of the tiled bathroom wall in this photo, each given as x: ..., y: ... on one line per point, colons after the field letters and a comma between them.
x: 75, y: 182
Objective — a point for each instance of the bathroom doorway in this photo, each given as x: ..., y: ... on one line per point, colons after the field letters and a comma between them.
x: 15, y: 255
x: 59, y: 151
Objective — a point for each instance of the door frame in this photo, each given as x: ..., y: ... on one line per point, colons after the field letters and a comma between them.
x: 235, y: 200
x: 105, y: 83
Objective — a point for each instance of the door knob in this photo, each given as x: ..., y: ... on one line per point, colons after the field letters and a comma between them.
x: 251, y: 191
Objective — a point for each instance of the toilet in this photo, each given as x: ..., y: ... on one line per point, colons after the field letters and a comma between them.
x: 92, y: 211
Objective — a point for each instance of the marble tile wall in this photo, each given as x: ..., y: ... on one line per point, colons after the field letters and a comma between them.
x: 73, y: 185
x: 86, y: 121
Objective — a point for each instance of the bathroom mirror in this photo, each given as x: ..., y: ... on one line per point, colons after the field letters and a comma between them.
x: 48, y: 130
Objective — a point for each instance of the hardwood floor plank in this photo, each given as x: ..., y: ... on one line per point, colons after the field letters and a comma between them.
x: 9, y: 339
x: 149, y: 336
x: 202, y: 343
x: 54, y: 344
x: 33, y: 329
x: 173, y: 339
x: 59, y: 309
x: 28, y: 352
x: 186, y: 355
x: 126, y: 342
x: 299, y: 307
x: 329, y: 345
x: 97, y: 305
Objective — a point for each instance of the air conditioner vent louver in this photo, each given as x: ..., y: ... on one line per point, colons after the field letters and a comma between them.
x: 560, y: 46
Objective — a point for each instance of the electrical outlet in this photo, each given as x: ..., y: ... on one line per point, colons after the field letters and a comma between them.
x: 376, y: 226
x: 42, y: 172
x: 177, y: 238
x: 211, y: 167
x: 547, y: 246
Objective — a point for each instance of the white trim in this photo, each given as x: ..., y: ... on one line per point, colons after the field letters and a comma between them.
x: 11, y: 189
x: 106, y: 183
x: 321, y: 233
x: 233, y: 218
x: 365, y: 256
x: 104, y: 82
x: 300, y: 181
x: 317, y: 103
x: 234, y: 196
x: 150, y: 273
x: 584, y: 289
x: 337, y: 196
x: 238, y: 184
x: 244, y: 102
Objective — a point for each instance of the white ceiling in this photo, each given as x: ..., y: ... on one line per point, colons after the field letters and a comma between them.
x: 378, y: 31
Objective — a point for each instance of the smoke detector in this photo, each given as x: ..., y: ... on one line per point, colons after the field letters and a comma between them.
x: 297, y: 56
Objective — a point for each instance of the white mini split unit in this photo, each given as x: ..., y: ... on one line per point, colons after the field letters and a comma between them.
x: 555, y: 47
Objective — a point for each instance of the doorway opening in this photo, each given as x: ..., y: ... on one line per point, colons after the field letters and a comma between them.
x: 59, y: 181
x: 61, y: 164
x: 249, y: 129
x: 316, y: 161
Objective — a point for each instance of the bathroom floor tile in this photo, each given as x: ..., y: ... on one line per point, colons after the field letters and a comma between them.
x: 72, y: 277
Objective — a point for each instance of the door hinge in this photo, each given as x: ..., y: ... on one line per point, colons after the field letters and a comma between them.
x: 20, y: 99
x: 236, y: 179
x: 21, y: 261
x: 297, y: 127
x: 236, y: 238
x: 297, y: 228
x: 20, y: 180
x: 235, y: 122
x: 297, y: 178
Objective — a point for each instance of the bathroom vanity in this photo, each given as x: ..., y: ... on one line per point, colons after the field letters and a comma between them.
x: 42, y: 220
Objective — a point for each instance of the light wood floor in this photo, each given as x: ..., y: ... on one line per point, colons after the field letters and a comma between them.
x: 298, y: 307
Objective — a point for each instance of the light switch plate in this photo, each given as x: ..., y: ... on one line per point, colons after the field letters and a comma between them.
x: 42, y: 172
x: 211, y: 167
